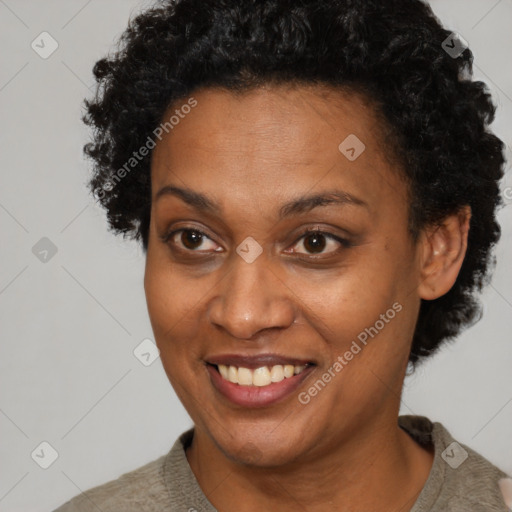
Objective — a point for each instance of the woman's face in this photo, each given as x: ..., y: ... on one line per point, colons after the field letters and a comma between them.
x: 233, y: 278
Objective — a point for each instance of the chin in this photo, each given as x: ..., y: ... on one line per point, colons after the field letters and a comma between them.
x: 261, y: 450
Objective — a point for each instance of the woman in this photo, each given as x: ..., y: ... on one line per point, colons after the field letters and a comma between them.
x: 315, y: 187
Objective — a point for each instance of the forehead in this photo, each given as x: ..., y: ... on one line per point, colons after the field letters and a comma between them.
x: 275, y: 139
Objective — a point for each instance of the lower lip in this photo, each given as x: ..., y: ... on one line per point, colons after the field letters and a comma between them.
x: 257, y: 396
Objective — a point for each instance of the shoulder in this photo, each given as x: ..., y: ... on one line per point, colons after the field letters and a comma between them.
x: 471, y: 482
x: 157, y: 486
x: 460, y: 478
x: 140, y: 490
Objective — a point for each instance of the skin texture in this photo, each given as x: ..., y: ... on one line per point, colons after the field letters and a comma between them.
x: 250, y: 153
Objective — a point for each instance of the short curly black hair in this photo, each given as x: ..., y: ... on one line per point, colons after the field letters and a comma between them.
x: 394, y: 52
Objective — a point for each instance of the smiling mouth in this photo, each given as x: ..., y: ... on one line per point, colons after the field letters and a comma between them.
x: 252, y: 381
x: 260, y: 377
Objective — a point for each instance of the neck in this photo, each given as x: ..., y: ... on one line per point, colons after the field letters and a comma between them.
x: 376, y: 469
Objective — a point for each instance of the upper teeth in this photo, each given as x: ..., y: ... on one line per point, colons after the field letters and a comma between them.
x: 260, y: 376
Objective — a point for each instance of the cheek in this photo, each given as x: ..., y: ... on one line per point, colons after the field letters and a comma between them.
x: 364, y: 313
x: 174, y: 307
x: 350, y: 299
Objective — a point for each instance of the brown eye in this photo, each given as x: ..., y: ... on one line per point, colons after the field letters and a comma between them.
x: 319, y: 242
x: 191, y: 239
x: 315, y: 242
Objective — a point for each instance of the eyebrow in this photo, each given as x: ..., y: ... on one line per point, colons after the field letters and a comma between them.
x: 195, y: 199
x: 295, y: 206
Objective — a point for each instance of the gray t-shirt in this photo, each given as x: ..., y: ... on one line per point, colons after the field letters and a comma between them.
x: 460, y: 480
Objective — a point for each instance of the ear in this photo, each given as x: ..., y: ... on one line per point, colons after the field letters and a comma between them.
x: 442, y: 251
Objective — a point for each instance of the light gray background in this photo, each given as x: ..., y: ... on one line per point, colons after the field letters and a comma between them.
x: 69, y: 326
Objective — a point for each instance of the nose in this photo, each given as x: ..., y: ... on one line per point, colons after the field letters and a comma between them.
x: 251, y: 298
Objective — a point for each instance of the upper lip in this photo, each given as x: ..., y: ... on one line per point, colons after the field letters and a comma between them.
x: 256, y: 361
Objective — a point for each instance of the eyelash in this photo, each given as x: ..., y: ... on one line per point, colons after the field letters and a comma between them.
x: 344, y: 243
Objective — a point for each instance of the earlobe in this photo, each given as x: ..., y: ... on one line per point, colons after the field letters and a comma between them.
x: 443, y: 248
